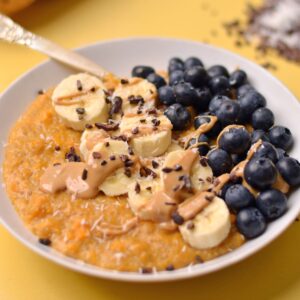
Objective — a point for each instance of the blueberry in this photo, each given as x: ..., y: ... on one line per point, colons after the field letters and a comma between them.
x: 281, y: 137
x: 156, y: 79
x: 220, y: 161
x: 203, y: 99
x: 272, y: 203
x: 185, y: 94
x: 166, y: 95
x: 215, y: 103
x: 237, y: 78
x: 237, y: 158
x: 202, y: 119
x: 217, y: 70
x: 219, y: 85
x: 176, y: 77
x: 192, y: 62
x: 244, y: 89
x: 196, y: 76
x: 281, y: 153
x: 235, y: 140
x: 142, y: 71
x: 260, y: 173
x: 175, y: 64
x: 251, y: 222
x: 228, y: 112
x: 266, y: 150
x: 259, y: 135
x: 238, y: 197
x: 289, y: 169
x: 178, y: 115
x: 262, y: 118
x: 249, y: 103
x: 225, y: 187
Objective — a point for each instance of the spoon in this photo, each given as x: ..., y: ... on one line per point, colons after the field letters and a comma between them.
x: 15, y: 34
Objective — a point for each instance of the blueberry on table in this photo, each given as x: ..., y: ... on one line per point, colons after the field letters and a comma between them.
x: 237, y: 78
x: 142, y: 71
x: 192, y: 62
x: 281, y: 137
x: 156, y: 79
x: 185, y: 94
x: 259, y: 134
x: 220, y: 161
x: 216, y: 102
x: 251, y: 222
x: 260, y: 173
x: 249, y: 103
x: 166, y: 95
x: 289, y: 169
x: 228, y: 112
x: 202, y: 119
x: 219, y: 85
x: 244, y: 89
x: 238, y: 197
x: 178, y: 115
x: 203, y: 99
x: 176, y: 77
x: 281, y: 153
x: 196, y: 76
x: 235, y: 140
x: 266, y: 150
x: 262, y: 118
x: 217, y: 70
x: 272, y: 203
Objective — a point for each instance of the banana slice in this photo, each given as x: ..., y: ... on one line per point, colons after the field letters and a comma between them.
x: 89, y: 139
x: 150, y: 135
x: 79, y: 99
x: 201, y: 174
x: 140, y: 192
x: 137, y: 94
x: 117, y: 183
x: 209, y: 228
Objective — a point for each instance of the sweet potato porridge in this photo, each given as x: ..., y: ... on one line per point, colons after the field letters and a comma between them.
x: 116, y: 174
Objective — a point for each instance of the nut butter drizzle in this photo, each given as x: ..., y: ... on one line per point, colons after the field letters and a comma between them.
x: 165, y: 202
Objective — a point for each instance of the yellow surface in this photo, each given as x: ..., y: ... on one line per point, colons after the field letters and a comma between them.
x: 274, y: 273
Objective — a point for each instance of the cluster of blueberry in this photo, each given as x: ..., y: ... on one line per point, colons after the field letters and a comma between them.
x: 234, y: 101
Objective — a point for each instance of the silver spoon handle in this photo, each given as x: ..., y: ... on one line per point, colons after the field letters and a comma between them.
x: 15, y: 34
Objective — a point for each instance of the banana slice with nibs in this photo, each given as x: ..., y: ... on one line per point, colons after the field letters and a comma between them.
x: 79, y: 100
x: 150, y: 135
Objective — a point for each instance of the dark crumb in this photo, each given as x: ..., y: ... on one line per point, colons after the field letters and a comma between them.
x: 146, y: 270
x: 178, y: 219
x: 103, y: 163
x: 209, y: 179
x: 80, y: 110
x: 144, y: 172
x: 198, y: 259
x: 167, y: 170
x: 107, y: 144
x: 128, y: 163
x: 41, y: 92
x: 107, y: 127
x: 137, y: 188
x: 136, y: 99
x: 124, y: 81
x: 84, y: 174
x: 190, y: 225
x: 45, y: 241
x: 79, y: 85
x: 170, y: 268
x: 155, y: 122
x: 297, y: 219
x: 178, y: 168
x: 149, y: 188
x: 56, y: 164
x: 57, y: 148
x: 127, y: 172
x: 112, y: 157
x: 130, y: 151
x: 71, y: 155
x: 203, y: 162
x: 93, y: 89
x: 135, y: 130
x: 96, y: 155
x: 155, y: 164
x: 116, y: 105
x: 152, y: 111
x: 88, y: 126
x: 143, y: 120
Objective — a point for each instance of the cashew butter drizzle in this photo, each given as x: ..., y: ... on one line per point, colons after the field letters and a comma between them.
x: 70, y: 176
x: 166, y: 201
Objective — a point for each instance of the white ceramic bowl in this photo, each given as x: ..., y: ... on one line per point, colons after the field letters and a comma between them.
x: 120, y: 56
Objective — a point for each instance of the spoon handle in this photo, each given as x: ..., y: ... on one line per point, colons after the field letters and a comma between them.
x: 15, y: 34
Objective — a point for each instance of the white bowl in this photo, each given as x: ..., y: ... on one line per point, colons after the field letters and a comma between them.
x: 120, y: 56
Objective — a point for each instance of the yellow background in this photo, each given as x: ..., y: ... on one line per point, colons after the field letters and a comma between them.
x: 274, y: 273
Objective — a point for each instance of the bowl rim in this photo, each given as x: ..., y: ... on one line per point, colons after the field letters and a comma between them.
x: 162, y: 276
